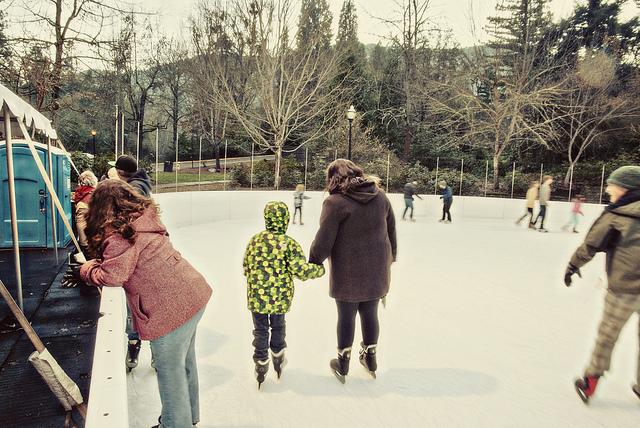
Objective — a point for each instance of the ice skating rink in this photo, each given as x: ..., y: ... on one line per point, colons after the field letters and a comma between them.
x: 479, y: 331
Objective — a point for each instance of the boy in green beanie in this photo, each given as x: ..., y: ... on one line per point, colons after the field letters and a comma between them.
x: 617, y: 233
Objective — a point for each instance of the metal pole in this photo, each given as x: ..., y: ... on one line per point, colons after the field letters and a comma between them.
x: 138, y: 145
x: 486, y: 179
x: 541, y: 169
x: 461, y: 169
x: 435, y: 190
x: 122, y: 132
x: 570, y: 183
x: 53, y: 210
x: 199, y: 162
x: 601, y: 184
x: 116, y: 148
x: 350, y: 122
x: 388, y: 165
x: 513, y: 179
x: 176, y: 165
x: 306, y: 158
x: 12, y: 203
x: 157, y: 132
x: 252, y: 144
x: 224, y: 176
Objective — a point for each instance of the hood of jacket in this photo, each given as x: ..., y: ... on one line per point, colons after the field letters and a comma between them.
x: 140, y: 181
x: 149, y: 222
x: 628, y: 205
x: 362, y: 191
x: 276, y: 217
x: 81, y: 193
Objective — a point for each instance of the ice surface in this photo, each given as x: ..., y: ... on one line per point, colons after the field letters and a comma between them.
x: 479, y: 331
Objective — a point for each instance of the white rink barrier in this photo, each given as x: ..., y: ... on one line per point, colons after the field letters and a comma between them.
x: 108, y: 407
x: 108, y: 404
x: 185, y: 209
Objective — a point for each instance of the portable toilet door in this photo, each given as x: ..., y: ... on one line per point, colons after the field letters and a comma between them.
x: 33, y: 202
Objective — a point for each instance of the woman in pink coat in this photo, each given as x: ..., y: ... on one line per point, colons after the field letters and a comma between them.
x: 167, y: 296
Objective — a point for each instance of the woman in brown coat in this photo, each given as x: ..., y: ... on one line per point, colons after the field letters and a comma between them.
x: 358, y: 235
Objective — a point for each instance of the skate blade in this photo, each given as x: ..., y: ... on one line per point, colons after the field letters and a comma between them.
x: 582, y: 395
x: 338, y: 375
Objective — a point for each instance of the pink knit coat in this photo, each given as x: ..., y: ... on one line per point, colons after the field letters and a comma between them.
x: 163, y: 290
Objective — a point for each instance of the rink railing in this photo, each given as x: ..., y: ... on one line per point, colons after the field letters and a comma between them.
x: 108, y: 405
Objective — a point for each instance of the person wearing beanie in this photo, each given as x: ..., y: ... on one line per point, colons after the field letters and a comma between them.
x: 616, y: 233
x: 127, y: 169
x: 447, y: 200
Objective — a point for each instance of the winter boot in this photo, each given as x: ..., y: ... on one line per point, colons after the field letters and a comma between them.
x: 133, y: 351
x: 636, y: 389
x: 575, y: 231
x: 262, y: 367
x: 279, y: 361
x: 586, y: 386
x: 340, y: 366
x: 368, y: 358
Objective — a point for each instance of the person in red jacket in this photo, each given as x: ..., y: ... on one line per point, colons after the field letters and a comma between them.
x: 167, y: 295
x: 358, y: 235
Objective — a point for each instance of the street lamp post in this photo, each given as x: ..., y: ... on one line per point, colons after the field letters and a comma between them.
x: 351, y: 114
x: 93, y: 133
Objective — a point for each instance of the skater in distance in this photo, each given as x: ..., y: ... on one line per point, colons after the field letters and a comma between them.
x: 616, y: 233
x: 271, y: 261
x: 167, y: 296
x: 358, y: 235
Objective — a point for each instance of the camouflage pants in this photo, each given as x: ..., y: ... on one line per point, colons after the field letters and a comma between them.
x: 618, y: 308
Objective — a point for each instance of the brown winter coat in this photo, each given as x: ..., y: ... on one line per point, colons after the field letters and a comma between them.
x: 358, y: 235
x: 617, y: 233
x: 163, y: 290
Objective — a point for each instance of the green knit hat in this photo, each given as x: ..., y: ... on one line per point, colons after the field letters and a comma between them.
x: 627, y: 177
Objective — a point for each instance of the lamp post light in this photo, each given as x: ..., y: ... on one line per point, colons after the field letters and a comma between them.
x: 93, y: 133
x: 351, y: 114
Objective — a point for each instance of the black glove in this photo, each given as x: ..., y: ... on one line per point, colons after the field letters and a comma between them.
x: 571, y: 269
x: 73, y: 278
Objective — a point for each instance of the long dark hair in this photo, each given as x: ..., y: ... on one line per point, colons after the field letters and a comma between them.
x: 342, y: 174
x: 114, y: 206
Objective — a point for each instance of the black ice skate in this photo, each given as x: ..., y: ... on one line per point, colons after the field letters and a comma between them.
x: 368, y: 358
x: 279, y: 361
x: 262, y: 367
x: 133, y: 351
x: 340, y: 365
x: 585, y: 387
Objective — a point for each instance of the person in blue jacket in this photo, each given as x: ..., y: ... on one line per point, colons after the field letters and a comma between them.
x: 447, y: 200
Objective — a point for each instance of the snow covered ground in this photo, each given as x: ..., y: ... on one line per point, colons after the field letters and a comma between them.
x: 479, y: 331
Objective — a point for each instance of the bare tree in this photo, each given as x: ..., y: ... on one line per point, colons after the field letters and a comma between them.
x: 411, y: 24
x: 591, y: 108
x: 283, y: 92
x: 75, y: 28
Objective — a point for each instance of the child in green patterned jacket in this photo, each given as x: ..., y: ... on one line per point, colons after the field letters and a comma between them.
x: 271, y: 261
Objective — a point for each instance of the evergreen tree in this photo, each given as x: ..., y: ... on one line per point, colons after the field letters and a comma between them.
x: 314, y: 26
x: 347, y: 26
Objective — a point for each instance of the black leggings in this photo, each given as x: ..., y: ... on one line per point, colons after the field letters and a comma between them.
x: 347, y: 322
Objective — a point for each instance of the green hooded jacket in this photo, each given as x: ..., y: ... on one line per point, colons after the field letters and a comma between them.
x: 271, y: 261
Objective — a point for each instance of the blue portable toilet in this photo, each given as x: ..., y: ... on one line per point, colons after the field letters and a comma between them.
x: 33, y: 202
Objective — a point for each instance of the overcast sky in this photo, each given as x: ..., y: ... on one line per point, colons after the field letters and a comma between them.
x: 453, y: 14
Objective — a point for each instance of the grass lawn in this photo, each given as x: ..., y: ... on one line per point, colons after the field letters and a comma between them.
x: 170, y: 177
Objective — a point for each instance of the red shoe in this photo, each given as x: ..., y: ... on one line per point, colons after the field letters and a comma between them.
x: 586, y: 387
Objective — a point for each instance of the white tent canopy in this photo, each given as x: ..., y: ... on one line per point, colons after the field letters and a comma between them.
x: 23, y: 111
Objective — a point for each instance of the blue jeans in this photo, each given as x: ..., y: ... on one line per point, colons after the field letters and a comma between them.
x: 408, y: 204
x: 132, y: 335
x: 261, y: 340
x: 175, y: 356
